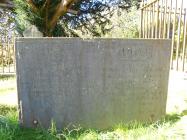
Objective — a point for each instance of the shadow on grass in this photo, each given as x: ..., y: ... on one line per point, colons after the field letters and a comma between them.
x: 4, y: 109
x: 7, y: 77
x: 172, y: 118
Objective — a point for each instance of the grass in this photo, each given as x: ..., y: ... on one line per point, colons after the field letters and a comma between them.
x: 8, y: 84
x: 164, y: 129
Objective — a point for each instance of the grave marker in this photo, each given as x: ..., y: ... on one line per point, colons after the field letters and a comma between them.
x: 96, y: 83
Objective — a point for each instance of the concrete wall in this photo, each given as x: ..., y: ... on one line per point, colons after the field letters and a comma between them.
x: 95, y: 83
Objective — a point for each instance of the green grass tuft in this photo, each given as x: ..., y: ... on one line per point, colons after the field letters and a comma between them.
x: 164, y: 129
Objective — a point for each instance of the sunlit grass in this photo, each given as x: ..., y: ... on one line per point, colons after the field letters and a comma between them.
x: 7, y: 84
x: 165, y: 129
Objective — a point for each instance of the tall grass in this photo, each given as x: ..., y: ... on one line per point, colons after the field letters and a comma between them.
x: 161, y: 130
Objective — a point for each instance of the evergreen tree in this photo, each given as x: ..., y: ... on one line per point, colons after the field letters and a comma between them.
x: 61, y: 17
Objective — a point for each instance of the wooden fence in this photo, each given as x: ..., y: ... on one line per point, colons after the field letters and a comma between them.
x: 7, y: 56
x: 167, y: 19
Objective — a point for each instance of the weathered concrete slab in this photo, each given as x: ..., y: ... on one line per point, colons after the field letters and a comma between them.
x: 95, y: 83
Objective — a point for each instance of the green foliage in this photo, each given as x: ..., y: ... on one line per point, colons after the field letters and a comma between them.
x: 125, y: 23
x: 92, y: 18
x: 23, y: 16
x: 26, y: 17
x: 6, y: 24
x: 5, y: 110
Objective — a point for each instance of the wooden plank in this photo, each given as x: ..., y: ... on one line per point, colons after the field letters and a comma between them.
x: 2, y: 57
x: 184, y: 43
x: 169, y: 20
x: 9, y: 55
x: 157, y: 20
x: 173, y: 36
x: 161, y: 20
x: 150, y: 20
x: 143, y: 30
x: 3, y: 49
x: 165, y: 18
x: 153, y: 21
x: 14, y: 52
x: 6, y: 52
x: 146, y: 23
x: 178, y: 36
x: 142, y: 20
x: 141, y: 24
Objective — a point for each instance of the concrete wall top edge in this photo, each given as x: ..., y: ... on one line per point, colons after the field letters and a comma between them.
x: 135, y: 40
x: 54, y: 38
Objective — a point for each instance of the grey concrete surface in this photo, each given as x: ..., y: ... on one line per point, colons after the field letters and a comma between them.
x: 94, y: 83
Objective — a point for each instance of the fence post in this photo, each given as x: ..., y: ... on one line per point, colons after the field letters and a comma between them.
x: 179, y: 35
x: 161, y: 17
x: 157, y: 21
x: 169, y: 21
x: 141, y: 21
x: 184, y: 42
x: 173, y: 36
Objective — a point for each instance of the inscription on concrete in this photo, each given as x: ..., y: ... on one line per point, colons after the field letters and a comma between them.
x: 93, y: 83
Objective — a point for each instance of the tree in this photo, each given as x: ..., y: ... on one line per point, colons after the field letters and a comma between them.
x: 7, y: 25
x: 61, y: 17
x: 6, y: 34
x: 125, y: 24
